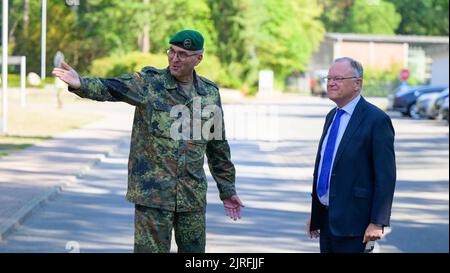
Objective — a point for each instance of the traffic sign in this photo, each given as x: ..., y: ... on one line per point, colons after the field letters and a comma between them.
x: 404, y: 74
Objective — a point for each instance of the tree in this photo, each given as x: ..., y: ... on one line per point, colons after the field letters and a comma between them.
x: 265, y: 34
x: 423, y: 17
x: 60, y: 34
x: 372, y: 16
x: 236, y: 31
x: 286, y: 35
x: 334, y: 13
x: 117, y: 23
x: 359, y: 16
x: 246, y: 35
x: 170, y: 16
x: 144, y: 39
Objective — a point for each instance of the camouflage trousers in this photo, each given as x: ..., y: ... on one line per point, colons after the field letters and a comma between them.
x: 153, y: 230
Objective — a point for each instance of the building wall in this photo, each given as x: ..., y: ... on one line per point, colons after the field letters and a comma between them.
x: 419, y: 64
x: 440, y: 69
x: 323, y: 57
x: 419, y: 54
x: 382, y: 56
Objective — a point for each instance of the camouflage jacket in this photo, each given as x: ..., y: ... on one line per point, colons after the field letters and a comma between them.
x: 163, y: 172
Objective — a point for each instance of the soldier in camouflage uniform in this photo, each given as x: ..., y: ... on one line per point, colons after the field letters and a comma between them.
x: 166, y: 180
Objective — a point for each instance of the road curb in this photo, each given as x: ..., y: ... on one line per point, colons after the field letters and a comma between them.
x: 14, y: 222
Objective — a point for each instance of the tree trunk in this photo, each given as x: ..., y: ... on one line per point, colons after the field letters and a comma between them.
x: 145, y: 35
x: 26, y: 16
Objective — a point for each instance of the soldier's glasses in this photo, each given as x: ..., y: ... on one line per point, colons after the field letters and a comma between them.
x: 181, y: 54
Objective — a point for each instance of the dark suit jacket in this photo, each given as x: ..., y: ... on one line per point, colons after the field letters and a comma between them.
x: 363, y: 173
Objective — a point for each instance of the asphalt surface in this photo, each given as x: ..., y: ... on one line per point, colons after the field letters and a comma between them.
x: 273, y: 144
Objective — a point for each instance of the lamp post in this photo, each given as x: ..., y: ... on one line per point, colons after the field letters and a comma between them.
x: 43, y: 37
x: 4, y: 124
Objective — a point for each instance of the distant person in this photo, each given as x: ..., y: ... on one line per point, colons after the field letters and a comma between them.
x: 355, y: 170
x: 166, y: 180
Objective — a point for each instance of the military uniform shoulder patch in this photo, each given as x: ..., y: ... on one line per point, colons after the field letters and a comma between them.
x: 209, y: 82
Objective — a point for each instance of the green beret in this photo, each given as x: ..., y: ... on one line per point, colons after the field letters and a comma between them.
x: 188, y: 39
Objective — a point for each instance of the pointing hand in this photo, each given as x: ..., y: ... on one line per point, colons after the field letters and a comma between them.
x: 68, y: 75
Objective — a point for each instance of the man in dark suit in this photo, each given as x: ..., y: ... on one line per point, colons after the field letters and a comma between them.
x: 355, y: 172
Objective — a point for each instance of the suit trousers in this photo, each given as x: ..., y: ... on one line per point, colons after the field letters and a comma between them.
x: 337, y: 244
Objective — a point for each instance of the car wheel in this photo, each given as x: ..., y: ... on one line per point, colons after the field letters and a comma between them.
x: 413, y: 112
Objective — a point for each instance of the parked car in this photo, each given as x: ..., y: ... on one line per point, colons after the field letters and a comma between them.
x: 425, y: 104
x: 438, y: 103
x: 402, y: 89
x: 319, y: 83
x: 443, y: 111
x: 404, y: 99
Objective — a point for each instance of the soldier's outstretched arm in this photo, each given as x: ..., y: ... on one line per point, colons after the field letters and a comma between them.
x: 126, y: 88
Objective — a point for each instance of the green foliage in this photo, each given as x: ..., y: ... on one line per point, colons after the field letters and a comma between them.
x: 118, y: 64
x: 334, y: 13
x: 235, y: 35
x: 241, y: 36
x: 360, y: 16
x: 267, y: 34
x: 116, y: 22
x: 372, y: 16
x: 13, y: 80
x: 233, y: 75
x: 423, y: 17
x: 380, y: 83
x: 418, y: 17
x: 211, y: 68
x: 170, y: 16
x: 287, y: 35
x: 27, y: 39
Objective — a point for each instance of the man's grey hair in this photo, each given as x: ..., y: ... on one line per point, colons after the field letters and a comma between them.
x: 358, y: 70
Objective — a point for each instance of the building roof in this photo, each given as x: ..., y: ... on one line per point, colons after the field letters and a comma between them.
x: 387, y: 38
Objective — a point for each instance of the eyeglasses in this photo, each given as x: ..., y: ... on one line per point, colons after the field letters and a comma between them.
x: 181, y: 54
x: 338, y: 79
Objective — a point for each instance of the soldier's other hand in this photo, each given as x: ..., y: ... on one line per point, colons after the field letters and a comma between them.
x: 68, y: 75
x: 232, y: 207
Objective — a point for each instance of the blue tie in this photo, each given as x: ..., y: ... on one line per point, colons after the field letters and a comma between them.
x: 328, y: 155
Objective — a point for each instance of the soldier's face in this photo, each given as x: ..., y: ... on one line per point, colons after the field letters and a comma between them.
x: 182, y: 62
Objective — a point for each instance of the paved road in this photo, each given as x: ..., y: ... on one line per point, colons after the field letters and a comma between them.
x: 90, y: 215
x: 273, y: 180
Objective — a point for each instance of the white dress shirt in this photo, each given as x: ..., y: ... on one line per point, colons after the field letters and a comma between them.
x: 345, y: 118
